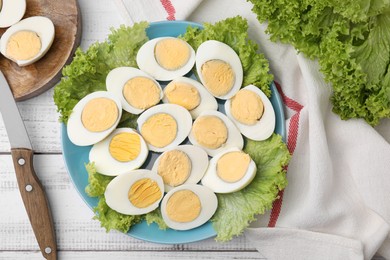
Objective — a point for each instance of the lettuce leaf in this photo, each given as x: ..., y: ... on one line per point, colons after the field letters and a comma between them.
x: 88, y: 70
x: 109, y: 218
x: 350, y: 39
x: 234, y: 32
x: 87, y: 74
x: 97, y: 182
x: 156, y: 217
x: 236, y: 210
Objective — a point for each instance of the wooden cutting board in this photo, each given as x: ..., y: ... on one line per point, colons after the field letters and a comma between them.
x: 32, y: 80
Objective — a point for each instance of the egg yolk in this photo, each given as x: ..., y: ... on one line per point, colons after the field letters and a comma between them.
x: 144, y: 193
x: 183, y: 206
x: 182, y: 94
x: 231, y: 167
x: 23, y: 45
x: 141, y: 92
x: 218, y: 77
x: 125, y: 147
x: 210, y: 131
x: 159, y: 130
x: 247, y: 107
x: 99, y: 114
x: 174, y: 167
x: 172, y: 54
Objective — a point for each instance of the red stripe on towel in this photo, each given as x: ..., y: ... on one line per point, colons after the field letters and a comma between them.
x: 290, y: 103
x: 291, y: 144
x: 169, y: 8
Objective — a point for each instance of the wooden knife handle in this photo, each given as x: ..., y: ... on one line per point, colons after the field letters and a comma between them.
x: 35, y: 202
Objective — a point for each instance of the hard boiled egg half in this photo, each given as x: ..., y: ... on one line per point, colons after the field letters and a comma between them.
x: 122, y: 151
x: 136, y: 89
x: 28, y: 40
x: 214, y: 132
x: 184, y: 164
x: 164, y: 126
x: 188, y: 206
x: 252, y: 112
x: 219, y: 69
x: 135, y: 193
x: 229, y: 171
x: 93, y: 118
x: 11, y: 12
x: 189, y: 94
x: 166, y: 58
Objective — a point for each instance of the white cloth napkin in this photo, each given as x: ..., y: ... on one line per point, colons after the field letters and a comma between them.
x: 336, y: 205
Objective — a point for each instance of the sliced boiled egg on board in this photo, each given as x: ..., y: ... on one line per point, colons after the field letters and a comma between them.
x: 11, y: 12
x: 164, y: 126
x: 219, y: 69
x: 188, y: 206
x: 136, y: 89
x: 252, y: 112
x: 28, y: 40
x: 214, y: 132
x: 189, y: 94
x: 184, y: 164
x: 93, y: 118
x: 166, y: 58
x: 229, y: 171
x: 122, y: 151
x: 135, y: 192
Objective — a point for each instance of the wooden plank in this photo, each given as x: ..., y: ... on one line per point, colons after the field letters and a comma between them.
x: 74, y: 226
x: 139, y: 255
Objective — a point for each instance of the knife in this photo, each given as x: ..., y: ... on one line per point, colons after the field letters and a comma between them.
x: 31, y: 190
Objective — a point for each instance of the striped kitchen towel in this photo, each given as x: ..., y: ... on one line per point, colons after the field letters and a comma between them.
x: 133, y: 11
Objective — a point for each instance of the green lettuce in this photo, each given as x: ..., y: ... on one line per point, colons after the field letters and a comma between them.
x: 88, y: 71
x: 156, y: 217
x: 350, y: 39
x: 97, y: 183
x: 234, y: 32
x: 87, y: 74
x: 109, y: 218
x: 236, y: 210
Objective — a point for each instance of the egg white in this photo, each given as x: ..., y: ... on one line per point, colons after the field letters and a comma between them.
x: 209, y: 204
x: 116, y: 80
x: 43, y: 26
x: 117, y: 190
x: 215, y: 50
x: 216, y: 184
x: 108, y: 165
x: 77, y: 133
x: 147, y: 62
x: 234, y: 138
x: 199, y: 163
x: 11, y: 12
x: 181, y: 116
x: 264, y: 127
x: 207, y: 101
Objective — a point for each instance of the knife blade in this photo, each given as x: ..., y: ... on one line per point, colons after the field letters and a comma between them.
x: 31, y: 189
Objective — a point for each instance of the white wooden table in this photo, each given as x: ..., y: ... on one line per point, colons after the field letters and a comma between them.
x: 78, y: 236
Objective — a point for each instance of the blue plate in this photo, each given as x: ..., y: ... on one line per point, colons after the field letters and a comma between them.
x: 76, y: 157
